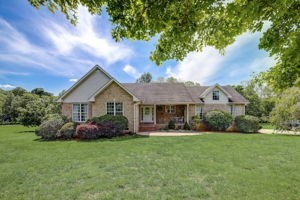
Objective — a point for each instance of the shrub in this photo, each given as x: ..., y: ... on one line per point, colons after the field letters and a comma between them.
x: 49, y: 128
x: 247, y: 123
x: 87, y: 131
x: 218, y: 120
x: 67, y: 131
x: 171, y: 124
x: 55, y: 116
x: 186, y: 126
x: 119, y: 122
x: 107, y: 129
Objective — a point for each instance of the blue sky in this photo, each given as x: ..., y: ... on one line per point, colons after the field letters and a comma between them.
x: 41, y: 49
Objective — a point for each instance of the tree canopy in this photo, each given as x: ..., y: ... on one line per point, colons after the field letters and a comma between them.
x: 144, y: 78
x: 183, y: 26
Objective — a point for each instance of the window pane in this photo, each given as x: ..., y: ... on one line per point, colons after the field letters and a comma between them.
x: 76, y: 108
x: 216, y: 95
x: 110, y: 108
x: 119, y: 108
x: 76, y: 117
x: 84, y: 108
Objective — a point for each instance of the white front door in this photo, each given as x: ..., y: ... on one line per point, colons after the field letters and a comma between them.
x: 147, y: 114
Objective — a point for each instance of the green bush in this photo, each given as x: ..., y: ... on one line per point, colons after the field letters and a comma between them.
x: 186, y: 126
x: 67, y: 131
x: 171, y: 124
x: 120, y: 122
x: 247, y: 123
x: 49, y: 128
x: 218, y: 120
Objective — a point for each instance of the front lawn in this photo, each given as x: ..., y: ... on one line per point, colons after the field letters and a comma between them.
x: 212, y: 166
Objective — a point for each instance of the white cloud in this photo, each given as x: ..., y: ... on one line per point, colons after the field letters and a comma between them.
x: 73, y: 79
x: 209, y: 65
x: 131, y: 71
x: 7, y: 86
x: 69, y: 50
x: 198, y: 67
x: 85, y: 37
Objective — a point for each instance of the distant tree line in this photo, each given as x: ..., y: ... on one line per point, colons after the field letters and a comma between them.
x: 147, y: 78
x: 27, y: 108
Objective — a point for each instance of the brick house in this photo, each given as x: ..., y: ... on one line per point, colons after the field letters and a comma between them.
x: 146, y: 105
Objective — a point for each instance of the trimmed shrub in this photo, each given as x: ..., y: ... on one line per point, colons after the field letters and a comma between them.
x: 87, y: 131
x: 218, y: 120
x: 247, y: 123
x: 171, y: 124
x: 107, y: 129
x: 186, y: 126
x: 119, y: 122
x: 67, y: 131
x: 49, y: 128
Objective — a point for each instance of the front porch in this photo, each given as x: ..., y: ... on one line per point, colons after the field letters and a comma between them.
x: 155, y: 117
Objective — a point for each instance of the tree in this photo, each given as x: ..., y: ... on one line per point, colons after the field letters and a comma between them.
x: 40, y: 92
x: 191, y: 83
x: 261, y: 99
x: 18, y: 91
x: 160, y: 79
x: 287, y: 109
x: 172, y: 79
x: 145, y: 78
x: 186, y: 26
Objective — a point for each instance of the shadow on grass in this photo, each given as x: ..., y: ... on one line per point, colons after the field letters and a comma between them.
x: 114, y: 139
x: 25, y: 132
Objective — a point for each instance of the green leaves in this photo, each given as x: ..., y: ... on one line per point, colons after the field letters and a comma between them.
x: 183, y: 26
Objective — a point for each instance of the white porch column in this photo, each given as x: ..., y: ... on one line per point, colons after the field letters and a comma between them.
x: 154, y: 112
x: 187, y: 112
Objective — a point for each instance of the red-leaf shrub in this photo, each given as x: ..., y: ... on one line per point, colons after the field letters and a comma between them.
x: 87, y: 131
x: 107, y: 129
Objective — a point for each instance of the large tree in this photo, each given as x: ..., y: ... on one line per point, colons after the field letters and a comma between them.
x: 183, y: 26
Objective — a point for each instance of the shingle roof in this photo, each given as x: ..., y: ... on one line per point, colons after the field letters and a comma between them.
x: 174, y: 93
x: 160, y: 93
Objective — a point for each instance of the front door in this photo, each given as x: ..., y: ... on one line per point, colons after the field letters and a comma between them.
x: 147, y: 114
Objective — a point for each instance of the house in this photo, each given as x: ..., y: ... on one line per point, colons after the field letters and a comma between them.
x: 148, y: 106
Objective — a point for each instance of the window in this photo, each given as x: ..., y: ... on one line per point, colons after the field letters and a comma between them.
x: 114, y: 108
x: 170, y: 109
x: 198, y: 111
x: 232, y: 110
x: 80, y: 112
x: 216, y: 95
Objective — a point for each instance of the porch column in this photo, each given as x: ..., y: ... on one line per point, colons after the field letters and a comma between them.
x: 154, y: 112
x: 187, y: 112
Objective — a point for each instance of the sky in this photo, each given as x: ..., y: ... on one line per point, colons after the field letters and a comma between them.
x: 42, y: 49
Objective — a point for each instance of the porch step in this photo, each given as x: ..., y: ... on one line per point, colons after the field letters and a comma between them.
x: 148, y: 127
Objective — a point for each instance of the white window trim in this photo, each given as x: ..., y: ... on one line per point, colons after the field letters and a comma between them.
x: 115, y: 102
x: 87, y: 111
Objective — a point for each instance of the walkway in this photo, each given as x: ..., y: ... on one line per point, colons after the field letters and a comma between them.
x: 162, y: 133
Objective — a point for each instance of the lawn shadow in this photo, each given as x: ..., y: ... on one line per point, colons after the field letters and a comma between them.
x: 114, y: 139
x: 25, y: 132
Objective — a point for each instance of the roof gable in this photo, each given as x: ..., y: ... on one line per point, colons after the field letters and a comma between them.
x: 210, y: 89
x: 90, y: 85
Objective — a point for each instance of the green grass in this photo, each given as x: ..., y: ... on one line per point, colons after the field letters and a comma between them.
x: 212, y: 166
x: 267, y: 126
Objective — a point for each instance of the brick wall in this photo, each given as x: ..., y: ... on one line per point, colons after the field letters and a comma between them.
x: 110, y: 94
x: 66, y: 109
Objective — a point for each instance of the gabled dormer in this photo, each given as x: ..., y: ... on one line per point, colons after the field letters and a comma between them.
x: 215, y: 95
